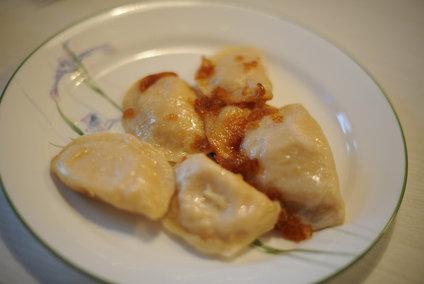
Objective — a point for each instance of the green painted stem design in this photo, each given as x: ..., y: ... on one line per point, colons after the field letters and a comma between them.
x: 87, y: 78
x: 68, y: 121
x: 56, y: 145
x: 271, y: 250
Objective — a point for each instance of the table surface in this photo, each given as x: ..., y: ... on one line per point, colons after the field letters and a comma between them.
x: 385, y: 36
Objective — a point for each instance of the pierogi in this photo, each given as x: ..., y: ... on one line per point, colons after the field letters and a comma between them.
x: 159, y: 109
x: 118, y: 169
x: 222, y: 129
x: 215, y: 210
x: 295, y: 159
x: 268, y: 168
x: 236, y: 74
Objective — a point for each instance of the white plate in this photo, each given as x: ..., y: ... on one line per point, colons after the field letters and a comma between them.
x: 122, y: 45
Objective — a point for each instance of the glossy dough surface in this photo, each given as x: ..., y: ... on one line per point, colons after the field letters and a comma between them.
x: 215, y: 211
x: 296, y: 160
x: 240, y: 72
x: 118, y: 169
x: 164, y: 116
x: 223, y: 129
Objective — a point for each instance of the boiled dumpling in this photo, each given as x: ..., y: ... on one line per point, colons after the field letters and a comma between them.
x: 118, y: 169
x: 236, y: 75
x: 225, y: 129
x: 296, y: 160
x: 159, y: 109
x: 215, y: 211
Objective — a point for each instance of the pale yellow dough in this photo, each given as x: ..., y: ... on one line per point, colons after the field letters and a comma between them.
x: 238, y: 70
x: 295, y: 159
x: 118, y: 169
x: 165, y: 117
x: 215, y: 211
x: 220, y: 128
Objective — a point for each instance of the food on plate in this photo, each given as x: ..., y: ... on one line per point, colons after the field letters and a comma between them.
x: 296, y: 163
x: 118, y: 169
x: 215, y: 210
x: 236, y: 75
x: 159, y: 109
x: 225, y: 129
x: 241, y: 166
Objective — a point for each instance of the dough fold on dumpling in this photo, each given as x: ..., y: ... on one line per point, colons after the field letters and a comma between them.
x: 118, y: 169
x: 215, y: 211
x: 296, y: 160
x: 236, y: 75
x: 225, y: 129
x: 159, y: 109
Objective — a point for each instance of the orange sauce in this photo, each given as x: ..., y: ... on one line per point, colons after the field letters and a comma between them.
x: 128, y: 113
x: 149, y: 80
x: 292, y: 228
x: 201, y: 144
x: 227, y: 153
x: 250, y: 65
x: 260, y: 91
x: 206, y: 70
x: 288, y: 225
x: 226, y: 149
x: 204, y: 105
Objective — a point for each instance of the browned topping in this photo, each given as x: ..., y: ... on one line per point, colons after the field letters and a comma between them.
x: 226, y: 145
x: 217, y: 101
x: 197, y: 92
x: 250, y: 65
x: 251, y: 105
x: 277, y: 117
x: 224, y: 138
x: 258, y: 95
x: 239, y: 163
x: 149, y: 80
x: 203, y: 105
x: 260, y: 91
x: 292, y: 228
x: 238, y: 58
x: 288, y: 225
x: 206, y: 69
x: 201, y: 144
x: 220, y: 93
x: 128, y: 113
x: 258, y: 113
x: 171, y: 117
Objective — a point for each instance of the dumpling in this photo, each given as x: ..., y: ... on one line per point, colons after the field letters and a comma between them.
x: 118, y: 169
x: 225, y: 129
x: 215, y: 211
x: 296, y: 160
x: 159, y: 109
x: 236, y: 75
